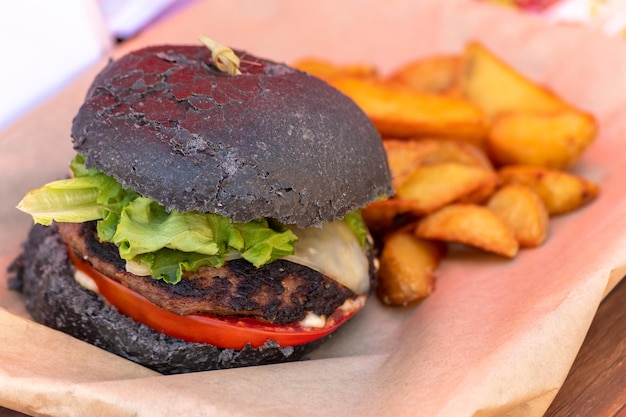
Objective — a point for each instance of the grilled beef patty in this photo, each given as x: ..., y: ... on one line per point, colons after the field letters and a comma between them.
x: 280, y: 292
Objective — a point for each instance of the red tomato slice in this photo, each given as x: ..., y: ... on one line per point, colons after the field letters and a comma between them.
x: 230, y: 332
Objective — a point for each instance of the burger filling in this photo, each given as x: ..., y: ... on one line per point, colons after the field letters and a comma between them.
x: 281, y: 292
x: 165, y: 244
x: 204, y: 266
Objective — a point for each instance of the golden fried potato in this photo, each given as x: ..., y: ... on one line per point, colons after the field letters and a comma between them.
x: 496, y: 87
x: 401, y: 113
x: 467, y: 154
x: 382, y: 216
x: 482, y: 192
x: 470, y: 224
x: 404, y: 155
x: 455, y: 151
x: 326, y: 69
x: 522, y: 209
x: 439, y: 74
x: 407, y: 268
x: 553, y: 140
x: 560, y: 191
x: 435, y: 185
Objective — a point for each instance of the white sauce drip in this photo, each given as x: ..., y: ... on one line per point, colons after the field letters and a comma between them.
x: 85, y: 281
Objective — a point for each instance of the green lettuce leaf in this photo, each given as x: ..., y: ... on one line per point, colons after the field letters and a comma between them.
x: 264, y: 244
x: 179, y: 242
x: 167, y: 242
x: 168, y: 265
x: 145, y: 226
x: 72, y: 200
x: 355, y: 222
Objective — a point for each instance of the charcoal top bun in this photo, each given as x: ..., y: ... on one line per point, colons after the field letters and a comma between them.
x: 44, y: 274
x: 271, y: 142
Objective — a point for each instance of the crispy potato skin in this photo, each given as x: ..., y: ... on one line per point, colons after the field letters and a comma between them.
x: 407, y: 268
x: 522, y: 209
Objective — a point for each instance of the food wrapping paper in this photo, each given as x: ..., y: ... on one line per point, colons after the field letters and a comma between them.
x: 497, y: 337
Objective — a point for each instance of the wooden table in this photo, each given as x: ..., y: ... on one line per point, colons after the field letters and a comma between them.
x: 596, y: 384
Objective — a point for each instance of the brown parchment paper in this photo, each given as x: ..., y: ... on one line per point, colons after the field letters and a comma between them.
x: 496, y: 338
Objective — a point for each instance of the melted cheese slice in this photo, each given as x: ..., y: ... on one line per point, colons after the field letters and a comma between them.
x: 333, y: 250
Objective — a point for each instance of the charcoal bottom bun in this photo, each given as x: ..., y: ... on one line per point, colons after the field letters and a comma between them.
x: 44, y: 274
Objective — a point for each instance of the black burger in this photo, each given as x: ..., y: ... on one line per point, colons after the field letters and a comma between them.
x: 211, y: 219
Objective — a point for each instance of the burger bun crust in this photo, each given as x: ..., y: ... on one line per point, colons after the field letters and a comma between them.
x: 271, y: 142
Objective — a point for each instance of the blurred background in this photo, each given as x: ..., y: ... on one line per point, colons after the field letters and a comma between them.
x: 47, y: 43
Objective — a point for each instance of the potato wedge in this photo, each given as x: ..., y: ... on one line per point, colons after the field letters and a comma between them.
x: 405, y: 155
x: 385, y: 215
x: 482, y: 192
x: 470, y: 224
x: 560, y: 191
x: 496, y: 87
x: 522, y: 209
x: 400, y: 113
x: 438, y: 74
x: 326, y: 69
x: 455, y: 151
x: 553, y: 140
x: 433, y: 186
x: 407, y: 268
